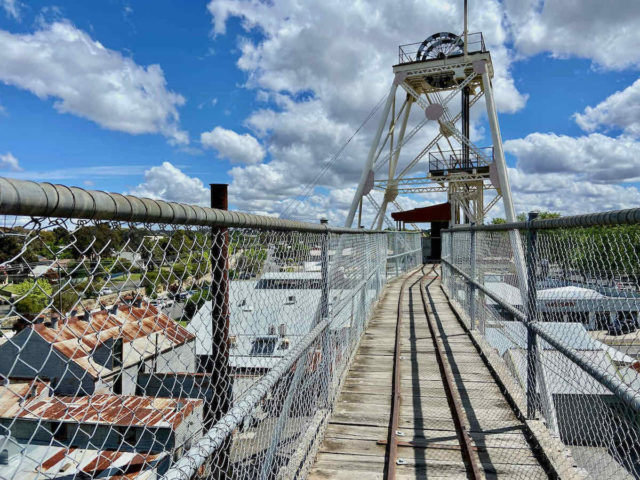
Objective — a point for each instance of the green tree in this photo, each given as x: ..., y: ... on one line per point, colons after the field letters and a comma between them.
x: 33, y: 296
x: 65, y: 300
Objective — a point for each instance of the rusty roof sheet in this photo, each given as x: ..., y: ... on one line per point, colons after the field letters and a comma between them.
x: 92, y: 463
x: 120, y: 410
x: 13, y: 393
x: 77, y: 339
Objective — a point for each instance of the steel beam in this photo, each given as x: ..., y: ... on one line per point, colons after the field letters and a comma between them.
x: 370, y: 157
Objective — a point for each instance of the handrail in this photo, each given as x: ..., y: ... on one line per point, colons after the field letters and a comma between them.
x: 22, y: 197
x: 628, y: 216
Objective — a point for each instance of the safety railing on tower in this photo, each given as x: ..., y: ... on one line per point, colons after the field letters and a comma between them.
x: 150, y: 338
x: 565, y: 336
x: 413, y: 52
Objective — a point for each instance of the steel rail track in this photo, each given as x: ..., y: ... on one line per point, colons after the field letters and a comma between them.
x: 453, y: 396
x: 392, y: 441
x: 453, y: 399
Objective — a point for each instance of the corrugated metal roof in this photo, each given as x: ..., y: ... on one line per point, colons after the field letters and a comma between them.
x: 291, y: 275
x: 569, y: 293
x: 106, y: 409
x: 36, y: 461
x: 77, y: 339
x: 262, y: 309
x: 15, y: 392
x: 96, y: 463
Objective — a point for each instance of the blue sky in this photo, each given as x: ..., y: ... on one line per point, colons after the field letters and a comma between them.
x: 160, y: 98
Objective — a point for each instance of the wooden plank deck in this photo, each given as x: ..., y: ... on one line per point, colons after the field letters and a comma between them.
x: 354, y: 446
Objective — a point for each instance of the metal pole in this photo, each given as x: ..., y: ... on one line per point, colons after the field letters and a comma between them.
x: 395, y: 251
x: 324, y: 390
x: 466, y: 31
x: 472, y: 288
x: 370, y: 158
x: 324, y: 267
x: 218, y: 362
x: 451, y: 260
x: 532, y: 316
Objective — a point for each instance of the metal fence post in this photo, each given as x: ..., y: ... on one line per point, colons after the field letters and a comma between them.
x: 472, y: 274
x: 532, y: 316
x: 451, y: 261
x: 218, y: 361
x: 324, y: 267
x: 325, y: 348
x: 395, y: 252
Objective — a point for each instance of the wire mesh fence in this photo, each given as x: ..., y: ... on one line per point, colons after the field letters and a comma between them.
x: 143, y: 339
x: 566, y: 333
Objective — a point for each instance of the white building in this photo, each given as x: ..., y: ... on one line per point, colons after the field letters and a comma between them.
x: 573, y: 304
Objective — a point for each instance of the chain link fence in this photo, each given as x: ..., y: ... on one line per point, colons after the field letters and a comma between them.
x: 564, y: 330
x: 146, y: 339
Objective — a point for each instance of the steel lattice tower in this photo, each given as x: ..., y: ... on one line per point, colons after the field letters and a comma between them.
x: 432, y: 74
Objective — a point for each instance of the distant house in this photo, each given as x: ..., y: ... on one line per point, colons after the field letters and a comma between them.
x: 104, y: 422
x: 46, y: 269
x: 99, y: 352
x: 267, y: 317
x: 572, y: 304
x: 134, y: 258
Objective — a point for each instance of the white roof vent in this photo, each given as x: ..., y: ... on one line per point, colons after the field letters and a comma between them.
x: 291, y: 299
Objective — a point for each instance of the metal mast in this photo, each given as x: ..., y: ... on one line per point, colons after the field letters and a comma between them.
x: 431, y: 74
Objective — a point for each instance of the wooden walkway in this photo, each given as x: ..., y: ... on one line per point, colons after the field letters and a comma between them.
x: 355, y: 443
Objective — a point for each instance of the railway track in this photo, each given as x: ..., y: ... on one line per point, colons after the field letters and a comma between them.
x: 419, y: 280
x: 419, y: 402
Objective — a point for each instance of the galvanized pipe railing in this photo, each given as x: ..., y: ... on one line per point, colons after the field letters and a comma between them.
x: 21, y: 197
x: 614, y: 217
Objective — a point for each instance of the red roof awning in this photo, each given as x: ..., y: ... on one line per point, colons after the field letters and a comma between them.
x: 435, y: 213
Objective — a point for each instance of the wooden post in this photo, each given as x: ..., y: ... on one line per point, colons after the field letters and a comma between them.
x: 218, y: 361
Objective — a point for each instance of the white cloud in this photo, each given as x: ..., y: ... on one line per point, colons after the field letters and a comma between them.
x: 605, y: 32
x: 91, y: 81
x: 573, y: 175
x: 568, y: 194
x: 620, y: 110
x: 233, y: 146
x: 12, y: 8
x: 595, y: 158
x: 323, y: 82
x: 9, y: 162
x: 169, y: 183
x: 324, y: 76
